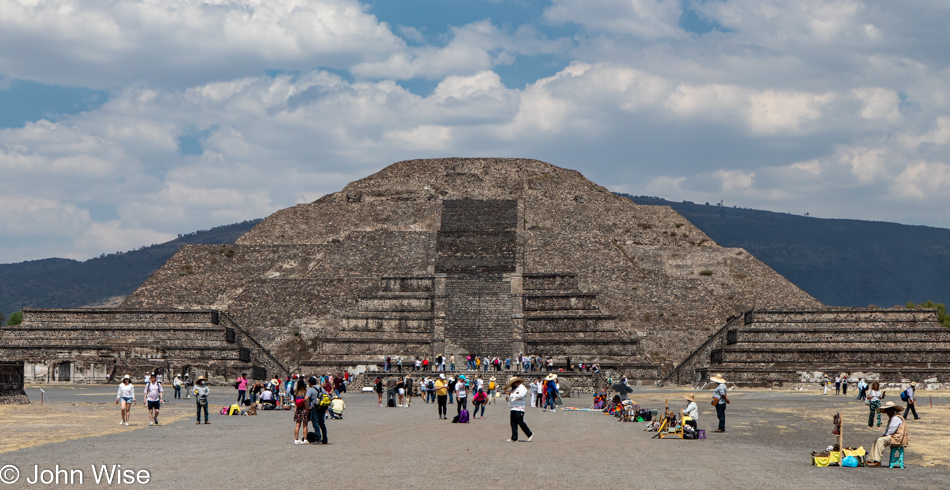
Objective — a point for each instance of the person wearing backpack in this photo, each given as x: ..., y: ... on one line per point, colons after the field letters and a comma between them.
x: 430, y: 389
x: 318, y: 401
x: 908, y: 396
x: 491, y: 390
x: 460, y: 393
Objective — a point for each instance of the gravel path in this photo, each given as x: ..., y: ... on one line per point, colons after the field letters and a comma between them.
x: 765, y: 447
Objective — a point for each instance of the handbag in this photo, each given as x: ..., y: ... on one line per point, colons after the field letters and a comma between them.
x: 715, y: 401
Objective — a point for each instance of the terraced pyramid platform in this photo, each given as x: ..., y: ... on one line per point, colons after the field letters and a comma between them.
x: 491, y: 256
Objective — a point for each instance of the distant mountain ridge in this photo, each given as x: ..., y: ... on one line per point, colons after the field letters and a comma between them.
x: 66, y: 283
x: 840, y: 262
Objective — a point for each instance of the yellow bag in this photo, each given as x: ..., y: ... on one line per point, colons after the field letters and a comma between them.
x: 857, y: 453
x: 235, y: 410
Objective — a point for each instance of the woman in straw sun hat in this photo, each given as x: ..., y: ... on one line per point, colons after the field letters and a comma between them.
x: 720, y: 399
x: 516, y: 401
x: 895, y: 436
x: 691, y: 411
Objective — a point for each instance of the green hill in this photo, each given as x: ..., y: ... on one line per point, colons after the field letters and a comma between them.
x: 839, y: 261
x: 65, y: 283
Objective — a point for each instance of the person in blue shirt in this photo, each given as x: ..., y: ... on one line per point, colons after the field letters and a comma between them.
x: 721, y: 400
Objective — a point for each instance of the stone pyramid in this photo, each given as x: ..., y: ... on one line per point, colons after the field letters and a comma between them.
x: 490, y: 256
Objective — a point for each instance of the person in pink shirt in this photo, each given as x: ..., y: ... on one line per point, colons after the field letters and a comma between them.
x: 241, y: 384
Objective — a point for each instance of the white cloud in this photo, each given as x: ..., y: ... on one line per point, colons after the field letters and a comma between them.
x: 648, y: 19
x: 170, y: 42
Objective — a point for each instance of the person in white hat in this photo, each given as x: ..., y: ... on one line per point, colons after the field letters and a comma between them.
x: 550, y: 392
x: 201, y: 398
x: 895, y: 436
x: 910, y: 391
x: 441, y: 388
x: 720, y: 399
x: 516, y: 400
x: 177, y: 384
x: 125, y: 396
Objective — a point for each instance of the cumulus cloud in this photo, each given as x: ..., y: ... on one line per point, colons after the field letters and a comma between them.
x: 834, y: 108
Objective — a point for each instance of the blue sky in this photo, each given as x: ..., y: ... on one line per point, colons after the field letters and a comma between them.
x: 125, y: 123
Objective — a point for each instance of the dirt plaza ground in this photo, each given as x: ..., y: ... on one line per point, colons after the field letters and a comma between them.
x: 769, y: 438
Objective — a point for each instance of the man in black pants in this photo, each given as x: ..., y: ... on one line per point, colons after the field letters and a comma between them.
x: 462, y: 401
x: 911, y: 401
x: 442, y: 396
x: 516, y: 399
x: 318, y: 414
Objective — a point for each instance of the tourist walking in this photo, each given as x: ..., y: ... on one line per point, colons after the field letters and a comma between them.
x: 837, y: 385
x: 824, y: 383
x: 874, y: 395
x: 153, y: 398
x: 460, y: 393
x: 534, y: 393
x: 301, y: 411
x: 126, y: 397
x: 378, y: 388
x: 408, y: 387
x: 452, y: 362
x: 894, y: 436
x: 201, y: 399
x: 492, y: 387
x: 241, y: 385
x: 911, y: 400
x: 516, y: 402
x: 862, y: 389
x: 721, y: 398
x: 188, y: 386
x: 441, y: 396
x: 177, y: 385
x: 318, y: 411
x: 451, y: 390
x: 844, y: 384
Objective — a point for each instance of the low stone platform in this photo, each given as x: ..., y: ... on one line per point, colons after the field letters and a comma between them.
x: 99, y: 345
x: 778, y: 348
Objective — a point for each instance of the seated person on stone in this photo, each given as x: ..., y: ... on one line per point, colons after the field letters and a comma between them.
x: 895, y: 436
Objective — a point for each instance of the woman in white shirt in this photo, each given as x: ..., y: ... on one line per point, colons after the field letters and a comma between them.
x: 125, y: 396
x: 516, y: 400
x: 462, y: 402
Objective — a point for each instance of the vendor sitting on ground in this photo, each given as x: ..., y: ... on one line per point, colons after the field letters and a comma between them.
x: 895, y: 436
x: 337, y: 407
x: 268, y: 398
x: 691, y: 413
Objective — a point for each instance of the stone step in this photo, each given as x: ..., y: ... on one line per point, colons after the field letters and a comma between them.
x: 793, y: 374
x: 829, y: 355
x: 558, y: 337
x: 387, y: 325
x: 394, y: 304
x: 539, y: 281
x: 569, y: 301
x: 404, y: 284
x: 146, y: 351
x: 402, y: 295
x: 812, y: 335
x: 839, y: 316
x: 566, y: 324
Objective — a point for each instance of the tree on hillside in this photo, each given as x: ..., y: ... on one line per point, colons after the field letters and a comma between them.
x: 941, y: 308
x: 15, y: 318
